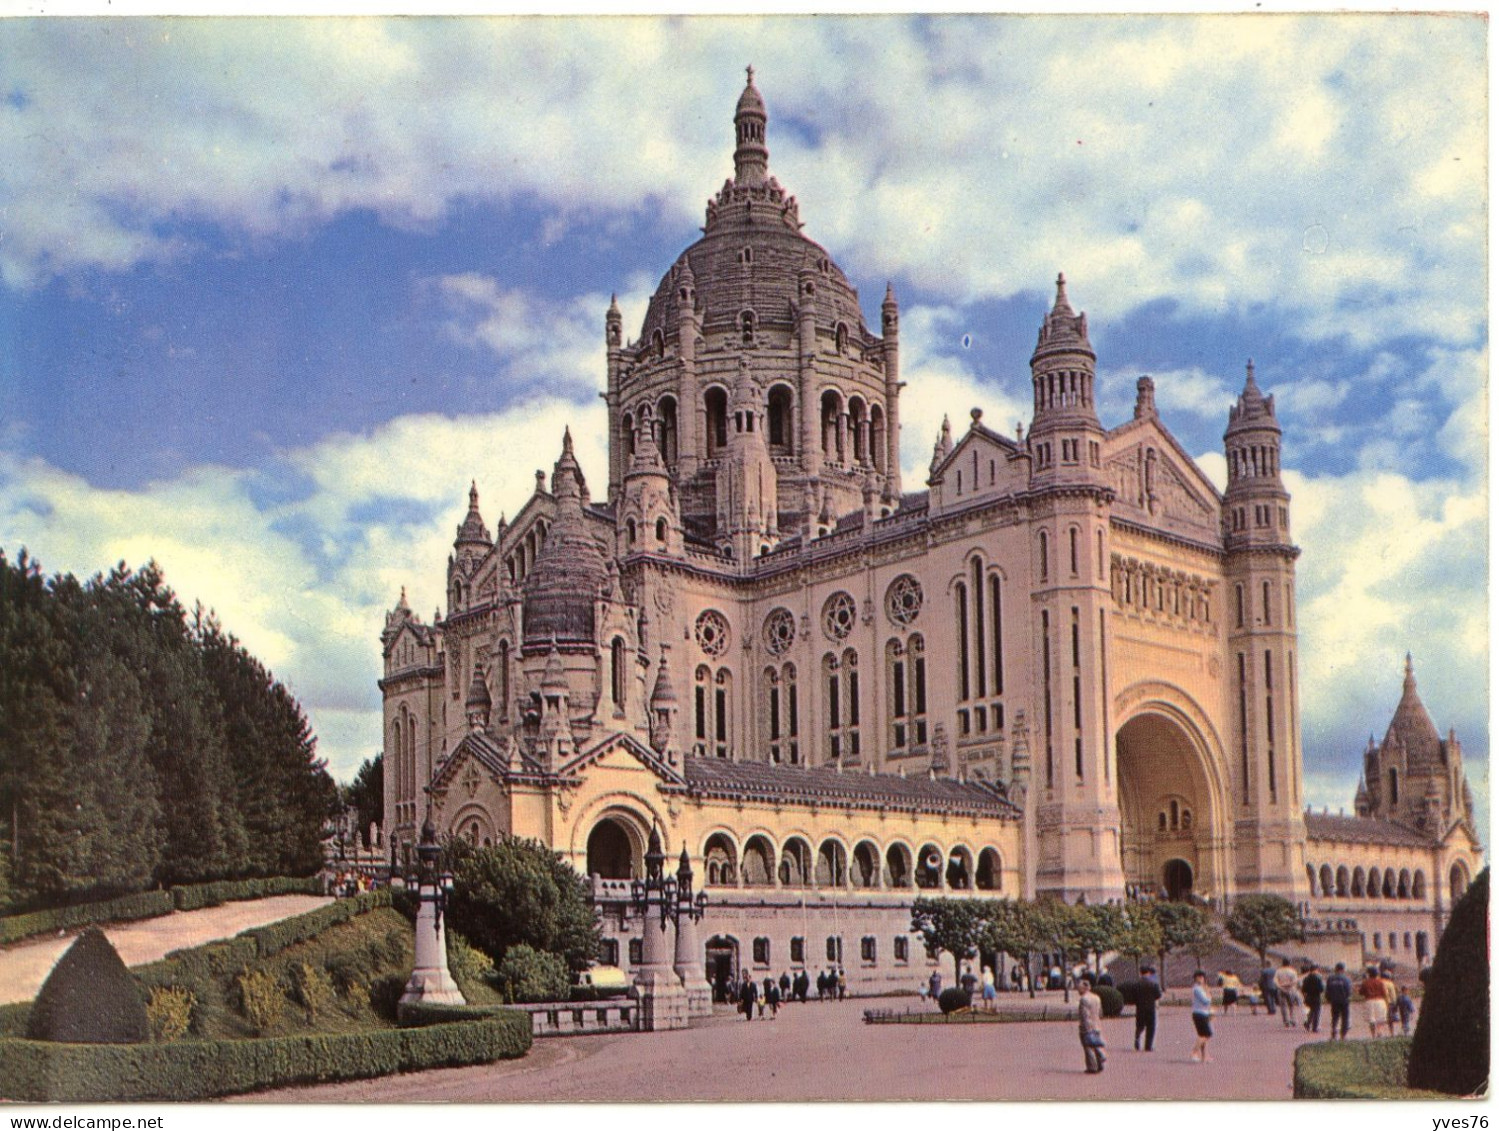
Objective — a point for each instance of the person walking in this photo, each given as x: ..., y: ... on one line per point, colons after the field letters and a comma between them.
x: 1377, y: 1010
x: 1405, y: 1007
x: 968, y: 981
x: 772, y: 997
x: 748, y: 995
x: 1339, y: 998
x: 1232, y: 987
x: 1202, y: 1016
x: 1312, y: 988
x: 785, y: 986
x: 1267, y: 990
x: 934, y: 985
x: 1391, y: 997
x: 989, y: 988
x: 1147, y: 993
x: 840, y: 980
x: 1089, y: 1031
x: 1286, y: 981
x: 822, y: 985
x: 802, y: 984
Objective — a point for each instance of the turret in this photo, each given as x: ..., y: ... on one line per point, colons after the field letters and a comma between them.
x: 1065, y: 436
x: 890, y: 327
x: 1260, y: 565
x: 478, y: 703
x: 664, y: 707
x: 746, y: 481
x: 751, y: 156
x: 470, y: 545
x: 554, y: 734
x: 648, y: 516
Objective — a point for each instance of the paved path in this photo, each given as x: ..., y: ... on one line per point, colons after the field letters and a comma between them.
x: 826, y: 1052
x: 24, y: 966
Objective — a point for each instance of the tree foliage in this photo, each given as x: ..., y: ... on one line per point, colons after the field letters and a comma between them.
x: 519, y: 892
x: 952, y: 925
x: 1180, y: 925
x: 143, y: 746
x: 366, y: 793
x: 1450, y: 1052
x: 1263, y: 921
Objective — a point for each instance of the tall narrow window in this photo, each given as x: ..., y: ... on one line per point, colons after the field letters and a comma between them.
x: 502, y: 665
x: 979, y: 664
x: 617, y: 674
x: 788, y: 678
x: 996, y: 627
x: 851, y: 679
x: 721, y: 714
x: 1045, y: 554
x: 1238, y: 606
x: 1244, y: 725
x: 962, y: 600
x: 1072, y: 548
x: 1046, y: 694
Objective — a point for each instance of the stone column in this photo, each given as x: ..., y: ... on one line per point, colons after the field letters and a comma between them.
x: 663, y: 1001
x: 689, y: 967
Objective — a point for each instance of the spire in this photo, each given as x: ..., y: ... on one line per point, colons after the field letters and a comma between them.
x: 402, y: 603
x: 1061, y: 306
x: 751, y: 157
x: 472, y: 528
x: 1411, y: 727
x: 567, y: 475
x: 663, y: 692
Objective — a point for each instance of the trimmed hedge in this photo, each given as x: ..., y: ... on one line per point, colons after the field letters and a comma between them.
x: 1356, y: 1070
x: 191, y: 897
x: 149, y: 904
x: 89, y: 998
x: 276, y: 937
x: 1450, y: 1051
x: 142, y: 905
x: 41, y: 1071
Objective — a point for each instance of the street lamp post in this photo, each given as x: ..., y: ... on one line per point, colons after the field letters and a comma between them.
x: 431, y: 983
x: 664, y: 902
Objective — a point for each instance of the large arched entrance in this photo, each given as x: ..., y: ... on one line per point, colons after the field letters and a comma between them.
x: 1168, y: 807
x: 612, y: 850
x: 1176, y: 878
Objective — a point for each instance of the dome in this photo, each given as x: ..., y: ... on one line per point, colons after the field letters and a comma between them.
x: 752, y: 255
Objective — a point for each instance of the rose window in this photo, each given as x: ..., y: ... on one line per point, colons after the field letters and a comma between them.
x: 780, y: 631
x: 903, y: 599
x: 839, y: 615
x: 712, y: 633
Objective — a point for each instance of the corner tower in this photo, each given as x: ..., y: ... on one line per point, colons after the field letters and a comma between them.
x: 755, y: 308
x: 1260, y: 576
x: 1076, y: 795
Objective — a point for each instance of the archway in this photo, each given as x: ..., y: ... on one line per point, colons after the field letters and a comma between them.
x: 1170, y: 806
x: 1176, y: 878
x: 611, y: 850
x: 721, y: 964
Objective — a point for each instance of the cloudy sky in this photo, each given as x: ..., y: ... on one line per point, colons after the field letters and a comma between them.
x: 272, y: 292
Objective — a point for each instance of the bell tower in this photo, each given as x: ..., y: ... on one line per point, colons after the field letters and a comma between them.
x: 1260, y: 569
x: 1074, y: 787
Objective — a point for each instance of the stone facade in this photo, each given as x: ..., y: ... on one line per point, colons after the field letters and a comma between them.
x: 1066, y: 666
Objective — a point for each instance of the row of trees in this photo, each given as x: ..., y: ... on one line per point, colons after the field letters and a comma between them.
x: 142, y: 745
x: 1082, y: 932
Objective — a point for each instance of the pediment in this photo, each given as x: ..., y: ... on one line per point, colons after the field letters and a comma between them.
x: 983, y: 464
x: 622, y: 751
x: 1153, y: 475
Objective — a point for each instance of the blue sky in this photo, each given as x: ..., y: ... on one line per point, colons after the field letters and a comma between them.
x: 272, y: 292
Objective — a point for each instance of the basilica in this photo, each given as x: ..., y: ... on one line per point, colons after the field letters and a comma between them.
x: 1065, y: 663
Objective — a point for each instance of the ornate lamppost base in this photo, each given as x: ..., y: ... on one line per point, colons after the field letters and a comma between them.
x: 663, y: 1002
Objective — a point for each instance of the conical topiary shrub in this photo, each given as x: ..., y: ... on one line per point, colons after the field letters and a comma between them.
x: 89, y: 998
x: 1450, y: 1052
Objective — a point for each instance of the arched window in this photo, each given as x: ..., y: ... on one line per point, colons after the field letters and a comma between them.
x: 877, y: 454
x: 1072, y: 548
x: 716, y: 408
x: 722, y: 693
x: 833, y: 427
x: 627, y: 433
x: 778, y: 420
x: 747, y: 326
x: 780, y: 714
x: 1045, y: 555
x: 906, y: 675
x: 630, y: 531
x: 661, y: 530
x: 666, y: 425
x: 617, y: 674
x: 702, y: 687
x: 960, y: 599
x: 1394, y: 786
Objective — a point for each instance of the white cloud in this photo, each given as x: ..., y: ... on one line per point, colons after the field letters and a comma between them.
x: 1190, y: 159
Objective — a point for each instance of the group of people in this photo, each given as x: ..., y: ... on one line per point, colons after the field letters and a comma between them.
x: 1287, y: 990
x: 1148, y: 994
x: 770, y: 993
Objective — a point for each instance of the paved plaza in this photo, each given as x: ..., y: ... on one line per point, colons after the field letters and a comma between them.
x: 827, y: 1052
x: 24, y: 966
